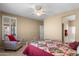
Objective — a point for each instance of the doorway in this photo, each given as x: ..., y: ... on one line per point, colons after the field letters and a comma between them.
x: 68, y: 29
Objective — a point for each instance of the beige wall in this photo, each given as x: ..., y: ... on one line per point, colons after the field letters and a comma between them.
x: 26, y: 28
x: 53, y: 25
x: 52, y: 28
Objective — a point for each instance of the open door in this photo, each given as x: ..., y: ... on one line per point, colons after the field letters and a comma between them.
x: 68, y: 29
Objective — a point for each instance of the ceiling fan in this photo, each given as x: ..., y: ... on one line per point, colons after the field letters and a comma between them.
x: 39, y: 10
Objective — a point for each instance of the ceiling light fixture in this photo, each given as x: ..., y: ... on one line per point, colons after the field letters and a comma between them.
x: 39, y: 10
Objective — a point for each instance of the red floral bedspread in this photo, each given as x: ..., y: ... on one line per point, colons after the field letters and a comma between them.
x: 49, y: 48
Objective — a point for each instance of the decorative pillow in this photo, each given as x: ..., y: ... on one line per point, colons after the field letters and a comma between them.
x: 74, y: 45
x: 11, y: 38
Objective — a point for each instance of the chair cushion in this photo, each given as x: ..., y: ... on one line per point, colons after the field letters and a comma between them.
x: 11, y: 38
x: 74, y: 45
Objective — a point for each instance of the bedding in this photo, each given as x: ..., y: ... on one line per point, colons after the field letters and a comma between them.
x: 74, y: 45
x: 48, y: 48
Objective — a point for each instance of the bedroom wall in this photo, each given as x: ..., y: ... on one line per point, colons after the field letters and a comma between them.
x: 27, y: 29
x: 53, y: 25
x: 52, y: 28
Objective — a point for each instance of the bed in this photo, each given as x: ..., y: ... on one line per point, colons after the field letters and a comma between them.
x: 48, y: 48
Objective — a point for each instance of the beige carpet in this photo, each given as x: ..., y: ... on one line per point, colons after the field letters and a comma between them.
x: 12, y: 53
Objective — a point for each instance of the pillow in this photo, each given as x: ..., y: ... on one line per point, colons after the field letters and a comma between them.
x: 11, y: 38
x: 74, y: 45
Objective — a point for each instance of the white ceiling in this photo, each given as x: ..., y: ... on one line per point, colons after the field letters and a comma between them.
x: 25, y: 9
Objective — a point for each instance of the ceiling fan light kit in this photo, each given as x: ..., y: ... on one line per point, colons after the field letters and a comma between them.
x: 39, y: 10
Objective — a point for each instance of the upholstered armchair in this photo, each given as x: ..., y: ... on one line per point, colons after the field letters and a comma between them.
x: 12, y: 43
